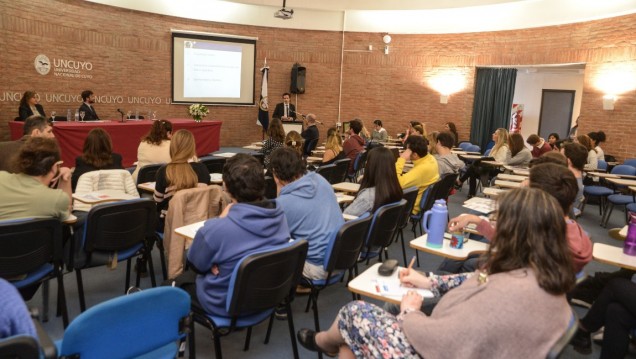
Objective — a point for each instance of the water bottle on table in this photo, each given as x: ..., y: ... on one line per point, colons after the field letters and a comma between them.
x: 434, y: 224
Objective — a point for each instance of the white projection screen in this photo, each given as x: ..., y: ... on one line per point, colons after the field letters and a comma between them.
x: 212, y: 69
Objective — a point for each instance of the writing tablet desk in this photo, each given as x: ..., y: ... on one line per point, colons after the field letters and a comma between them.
x: 103, y: 196
x: 622, y: 181
x: 507, y: 184
x: 370, y: 284
x: 348, y: 187
x: 605, y: 253
x: 493, y: 192
x: 512, y: 178
x: 470, y: 247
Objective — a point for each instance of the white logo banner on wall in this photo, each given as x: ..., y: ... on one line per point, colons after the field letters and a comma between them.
x: 42, y: 64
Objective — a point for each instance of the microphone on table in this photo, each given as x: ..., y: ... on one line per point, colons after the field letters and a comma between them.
x: 122, y: 114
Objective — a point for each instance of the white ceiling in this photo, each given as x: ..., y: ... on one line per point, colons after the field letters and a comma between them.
x: 374, y: 4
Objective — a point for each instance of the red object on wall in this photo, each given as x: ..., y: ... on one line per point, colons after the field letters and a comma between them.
x: 125, y: 136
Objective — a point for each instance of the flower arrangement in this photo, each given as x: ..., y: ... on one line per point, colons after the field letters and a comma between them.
x: 198, y: 111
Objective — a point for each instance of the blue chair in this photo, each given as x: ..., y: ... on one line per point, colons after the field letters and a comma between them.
x: 32, y: 248
x: 149, y: 323
x: 630, y: 162
x: 601, y: 165
x: 115, y: 232
x: 260, y: 282
x: 603, y: 192
x: 410, y: 195
x: 619, y: 199
x: 631, y: 207
x: 425, y: 204
x: 473, y: 148
x: 382, y: 230
x: 464, y: 145
x: 358, y: 166
x: 342, y: 255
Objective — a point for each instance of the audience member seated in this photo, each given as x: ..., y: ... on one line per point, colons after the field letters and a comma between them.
x: 310, y: 207
x: 615, y: 309
x: 249, y: 223
x: 364, y: 133
x: 379, y: 185
x: 450, y: 127
x: 154, y: 147
x: 28, y: 192
x: 34, y: 126
x: 500, y: 153
x: 527, y: 270
x: 354, y: 144
x: 553, y: 140
x: 520, y: 156
x: 415, y: 128
x: 539, y: 145
x: 597, y: 138
x: 447, y: 162
x: 181, y: 172
x: 432, y: 142
x: 576, y: 155
x: 379, y: 133
x: 97, y: 154
x: 29, y: 106
x: 592, y: 157
x: 16, y: 319
x: 333, y: 147
x: 556, y: 180
x: 275, y: 139
x: 294, y: 141
x: 310, y: 133
x: 425, y: 171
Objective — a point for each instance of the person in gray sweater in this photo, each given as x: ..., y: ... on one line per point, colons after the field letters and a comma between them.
x: 527, y: 271
x: 520, y: 155
x: 447, y: 162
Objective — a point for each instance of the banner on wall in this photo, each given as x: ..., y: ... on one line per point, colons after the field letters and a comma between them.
x: 263, y: 107
x: 516, y: 117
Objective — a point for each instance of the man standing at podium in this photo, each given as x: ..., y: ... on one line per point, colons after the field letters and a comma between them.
x: 89, y: 111
x: 285, y: 110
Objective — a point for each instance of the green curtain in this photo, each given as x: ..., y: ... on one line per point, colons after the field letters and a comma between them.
x: 494, y: 90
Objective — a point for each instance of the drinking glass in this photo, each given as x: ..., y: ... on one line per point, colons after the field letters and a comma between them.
x: 129, y: 115
x: 53, y: 113
x: 154, y: 115
x: 82, y: 115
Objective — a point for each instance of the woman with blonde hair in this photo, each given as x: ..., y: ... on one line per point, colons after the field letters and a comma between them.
x: 155, y: 146
x: 501, y: 151
x: 364, y: 133
x: 182, y: 172
x: 275, y: 139
x: 97, y: 154
x: 432, y: 142
x: 295, y: 141
x: 333, y: 147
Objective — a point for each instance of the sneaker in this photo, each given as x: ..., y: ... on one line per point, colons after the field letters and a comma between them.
x: 598, y: 337
x: 582, y: 342
x: 581, y: 303
x: 132, y: 290
x: 280, y: 313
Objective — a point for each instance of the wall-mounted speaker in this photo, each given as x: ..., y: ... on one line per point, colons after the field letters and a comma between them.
x: 298, y: 74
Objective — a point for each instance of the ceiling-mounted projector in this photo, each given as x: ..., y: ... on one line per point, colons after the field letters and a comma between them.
x: 284, y: 14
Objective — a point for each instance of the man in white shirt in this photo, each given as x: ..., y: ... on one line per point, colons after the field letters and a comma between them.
x: 285, y: 110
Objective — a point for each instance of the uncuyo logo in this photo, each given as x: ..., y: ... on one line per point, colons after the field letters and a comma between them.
x: 42, y: 64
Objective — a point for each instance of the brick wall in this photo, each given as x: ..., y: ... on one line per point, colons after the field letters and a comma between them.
x: 130, y: 53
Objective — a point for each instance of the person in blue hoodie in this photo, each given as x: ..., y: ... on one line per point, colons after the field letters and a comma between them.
x: 310, y: 207
x: 248, y: 224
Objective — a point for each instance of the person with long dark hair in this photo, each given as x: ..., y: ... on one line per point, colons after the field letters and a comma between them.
x: 597, y: 138
x: 592, y: 155
x: 29, y: 106
x: 275, y: 139
x: 450, y: 127
x: 97, y: 154
x: 154, y: 147
x: 379, y: 185
x: 527, y: 270
x: 520, y: 155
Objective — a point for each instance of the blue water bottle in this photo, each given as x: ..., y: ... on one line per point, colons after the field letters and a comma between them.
x: 434, y: 224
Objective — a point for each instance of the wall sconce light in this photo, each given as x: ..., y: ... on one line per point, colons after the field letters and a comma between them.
x: 447, y: 82
x: 387, y: 40
x: 443, y: 99
x: 608, y: 102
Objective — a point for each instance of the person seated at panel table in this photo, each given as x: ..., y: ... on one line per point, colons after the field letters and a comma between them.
x: 34, y: 126
x: 97, y: 154
x: 555, y: 179
x: 519, y: 293
x: 333, y: 147
x: 87, y: 106
x: 155, y: 146
x: 311, y: 209
x: 539, y: 145
x: 182, y: 172
x: 379, y: 184
x: 275, y: 139
x: 29, y: 192
x: 447, y: 162
x: 250, y: 222
x: 29, y: 106
x: 425, y: 171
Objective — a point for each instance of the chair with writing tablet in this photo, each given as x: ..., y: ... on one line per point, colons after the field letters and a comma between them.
x: 342, y: 255
x: 410, y: 195
x: 339, y: 174
x: 147, y: 173
x: 326, y: 171
x: 213, y: 164
x: 381, y: 231
x: 114, y: 232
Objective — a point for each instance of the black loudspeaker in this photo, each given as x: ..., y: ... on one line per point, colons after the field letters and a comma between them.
x: 298, y: 74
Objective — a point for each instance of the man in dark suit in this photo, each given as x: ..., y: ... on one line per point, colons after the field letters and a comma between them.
x: 310, y: 134
x: 89, y: 111
x: 285, y: 110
